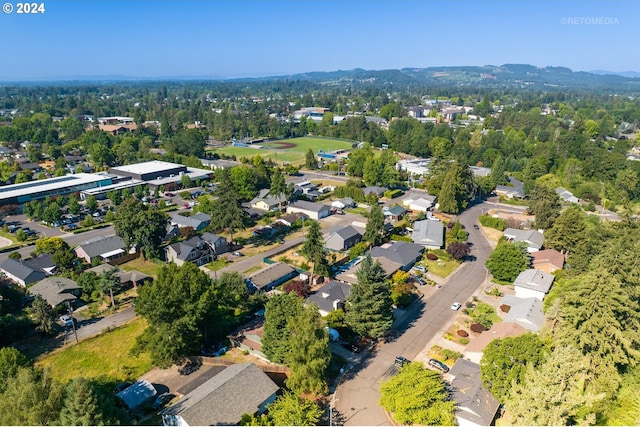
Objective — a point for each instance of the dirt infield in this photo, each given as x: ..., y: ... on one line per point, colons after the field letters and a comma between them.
x: 281, y: 145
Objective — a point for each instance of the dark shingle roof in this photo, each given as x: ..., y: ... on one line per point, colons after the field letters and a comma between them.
x: 474, y: 402
x: 19, y: 269
x: 40, y: 262
x: 55, y: 290
x: 102, y: 245
x: 222, y: 400
x: 403, y: 253
x: 270, y: 274
x: 326, y: 295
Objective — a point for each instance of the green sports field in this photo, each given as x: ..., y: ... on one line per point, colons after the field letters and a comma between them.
x: 287, y: 150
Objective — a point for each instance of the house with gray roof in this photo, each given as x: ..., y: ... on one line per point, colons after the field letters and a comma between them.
x: 329, y: 297
x: 42, y: 262
x: 57, y: 290
x: 533, y: 238
x: 103, y: 248
x: 475, y: 406
x: 394, y: 213
x: 268, y: 202
x: 21, y: 273
x: 533, y: 283
x: 198, y: 222
x: 198, y: 250
x: 404, y: 253
x: 345, y: 202
x: 222, y: 400
x: 378, y: 191
x: 351, y: 275
x: 311, y: 209
x: 289, y: 219
x: 526, y: 312
x: 271, y: 276
x: 343, y: 239
x: 428, y: 233
x: 566, y: 195
x: 513, y: 191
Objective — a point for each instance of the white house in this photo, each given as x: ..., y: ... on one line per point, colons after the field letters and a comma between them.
x: 533, y: 283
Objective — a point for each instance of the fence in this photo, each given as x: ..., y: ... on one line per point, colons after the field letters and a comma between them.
x: 124, y: 259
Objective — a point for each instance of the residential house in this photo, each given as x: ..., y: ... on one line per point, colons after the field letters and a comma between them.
x: 21, y: 273
x: 404, y: 253
x: 42, y: 262
x: 414, y: 167
x: 343, y: 239
x: 57, y: 290
x: 266, y: 202
x: 351, y: 274
x: 533, y: 283
x: 394, y: 213
x: 533, y: 238
x: 102, y: 248
x: 566, y: 195
x: 198, y: 250
x: 271, y: 276
x: 219, y: 163
x: 223, y: 399
x: 329, y: 297
x: 378, y: 191
x: 137, y: 394
x: 547, y: 260
x: 198, y: 222
x: 499, y: 330
x: 345, y: 202
x: 128, y: 279
x: 289, y: 219
x: 312, y: 210
x: 513, y: 191
x: 428, y: 233
x: 306, y: 189
x: 475, y: 406
x: 526, y: 312
x: 421, y: 204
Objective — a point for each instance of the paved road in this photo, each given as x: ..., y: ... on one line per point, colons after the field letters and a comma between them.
x: 91, y: 327
x: 356, y: 400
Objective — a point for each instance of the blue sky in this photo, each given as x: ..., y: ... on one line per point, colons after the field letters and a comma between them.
x: 239, y: 38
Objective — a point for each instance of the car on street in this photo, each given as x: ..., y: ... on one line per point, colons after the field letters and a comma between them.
x: 438, y: 365
x: 236, y: 253
x: 169, y: 195
x: 66, y: 320
x: 420, y: 268
x: 475, y: 226
x: 161, y: 400
x: 400, y: 361
x: 456, y: 306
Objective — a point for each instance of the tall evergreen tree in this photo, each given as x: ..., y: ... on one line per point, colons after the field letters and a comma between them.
x: 32, y: 398
x: 544, y: 203
x: 313, y: 249
x: 227, y: 212
x: 309, y: 353
x: 43, y: 315
x: 81, y: 405
x: 10, y: 361
x: 278, y: 310
x: 498, y: 176
x: 310, y: 160
x: 568, y: 232
x: 374, y: 231
x: 554, y: 393
x: 370, y: 310
x: 278, y: 185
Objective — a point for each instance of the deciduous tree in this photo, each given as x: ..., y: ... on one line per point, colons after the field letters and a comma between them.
x: 507, y: 261
x: 418, y: 396
x: 11, y: 360
x: 32, y: 397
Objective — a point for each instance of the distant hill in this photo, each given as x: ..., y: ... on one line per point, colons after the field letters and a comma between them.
x: 617, y: 73
x: 490, y: 76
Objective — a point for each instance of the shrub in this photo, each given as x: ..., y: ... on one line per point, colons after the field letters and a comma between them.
x: 391, y: 194
x: 450, y: 354
x: 464, y: 341
x: 462, y: 333
x: 477, y: 328
x: 489, y: 221
x: 505, y: 308
x: 432, y: 257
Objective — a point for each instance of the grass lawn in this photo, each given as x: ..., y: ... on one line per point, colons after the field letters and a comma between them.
x: 106, y: 355
x: 358, y: 211
x: 443, y: 266
x: 294, y: 155
x: 254, y: 269
x: 147, y: 267
x: 218, y: 264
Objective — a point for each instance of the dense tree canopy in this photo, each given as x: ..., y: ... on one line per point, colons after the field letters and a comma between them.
x: 418, y: 396
x: 507, y: 261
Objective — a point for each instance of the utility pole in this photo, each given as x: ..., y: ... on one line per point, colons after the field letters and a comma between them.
x: 73, y: 325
